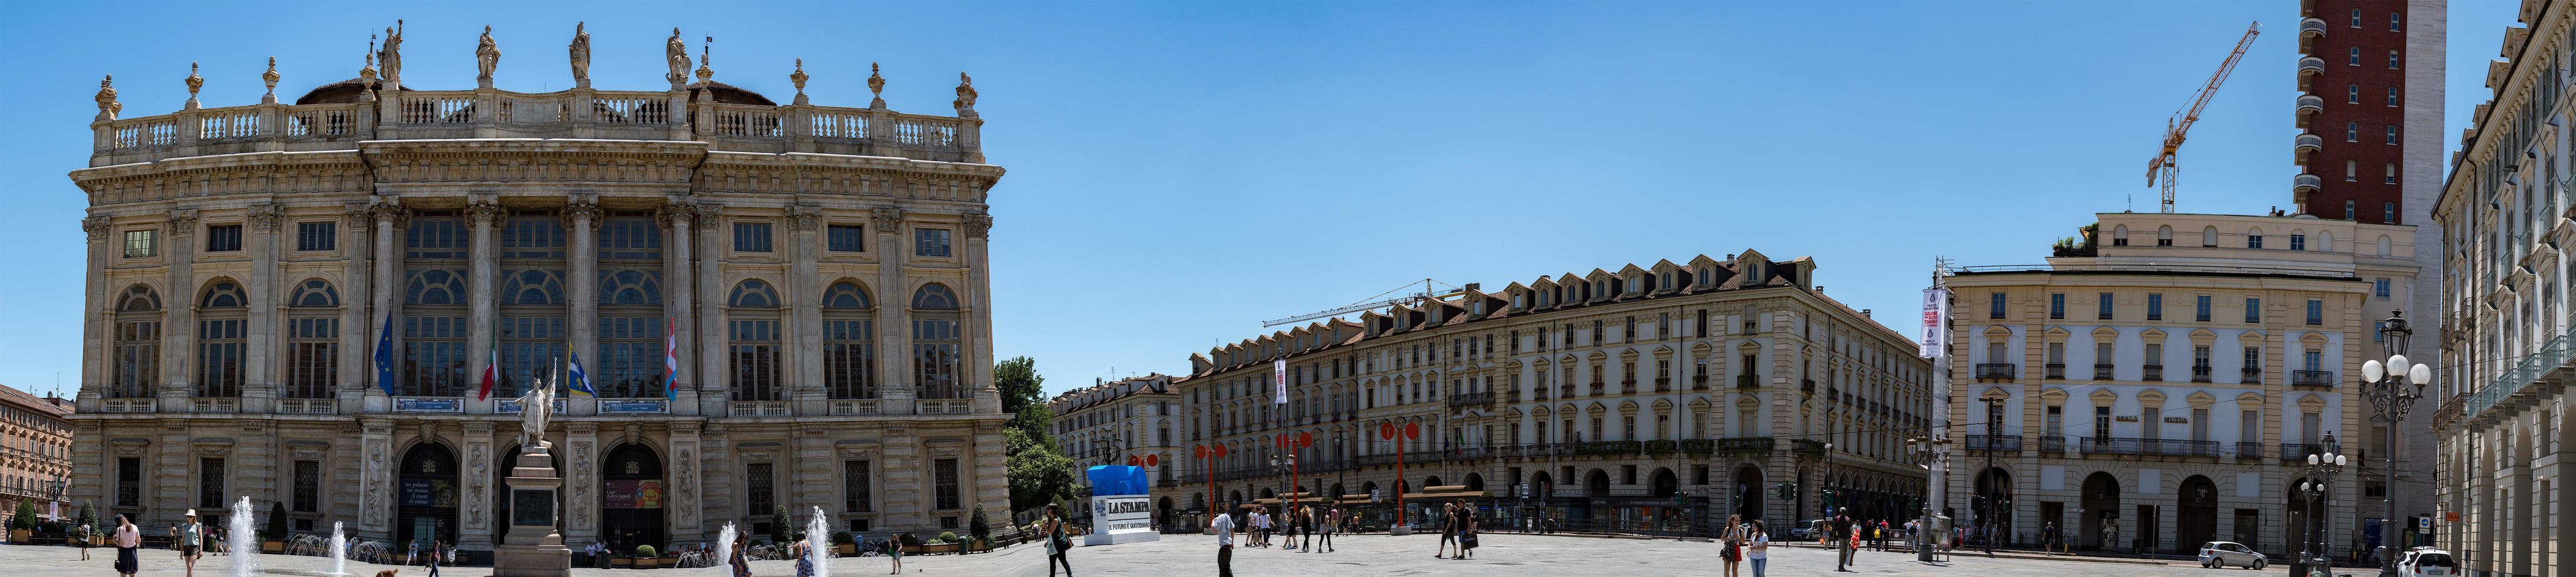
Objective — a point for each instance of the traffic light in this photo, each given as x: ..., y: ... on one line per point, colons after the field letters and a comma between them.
x: 1788, y: 491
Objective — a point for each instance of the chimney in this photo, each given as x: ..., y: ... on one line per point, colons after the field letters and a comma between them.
x: 1865, y: 313
x: 1472, y: 286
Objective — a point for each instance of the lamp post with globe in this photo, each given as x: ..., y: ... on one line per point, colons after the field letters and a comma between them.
x: 2385, y: 386
x: 2317, y: 560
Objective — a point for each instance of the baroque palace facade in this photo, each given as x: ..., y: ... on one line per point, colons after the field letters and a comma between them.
x: 2161, y: 383
x: 1656, y: 398
x: 2508, y: 463
x: 816, y: 274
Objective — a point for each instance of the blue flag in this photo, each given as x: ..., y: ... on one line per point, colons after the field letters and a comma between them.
x: 580, y: 383
x: 385, y: 356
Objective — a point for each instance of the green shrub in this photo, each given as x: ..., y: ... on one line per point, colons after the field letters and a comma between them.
x: 26, y: 516
x: 842, y: 538
x: 909, y: 540
x: 979, y: 526
x: 781, y: 528
x: 89, y: 516
x: 947, y: 536
x: 644, y: 551
x: 276, y: 530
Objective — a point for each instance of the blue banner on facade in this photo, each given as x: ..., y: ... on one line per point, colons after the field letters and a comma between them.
x: 443, y: 405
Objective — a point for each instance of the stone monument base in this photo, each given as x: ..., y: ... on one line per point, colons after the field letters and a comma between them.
x: 533, y: 548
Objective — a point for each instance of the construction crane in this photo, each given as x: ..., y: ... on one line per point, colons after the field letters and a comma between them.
x: 2181, y: 121
x: 1373, y: 302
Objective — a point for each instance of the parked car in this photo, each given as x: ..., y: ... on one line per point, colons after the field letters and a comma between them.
x: 2216, y: 554
x: 2427, y: 562
x: 1810, y: 530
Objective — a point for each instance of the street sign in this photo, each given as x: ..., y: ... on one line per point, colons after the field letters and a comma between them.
x: 1386, y: 430
x: 1198, y: 451
x: 1412, y: 431
x: 1305, y: 439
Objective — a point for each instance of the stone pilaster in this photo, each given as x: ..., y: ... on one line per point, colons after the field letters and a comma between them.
x: 581, y: 214
x: 894, y: 322
x: 179, y: 299
x: 686, y: 507
x: 390, y: 218
x: 979, y: 296
x: 581, y: 483
x: 357, y: 333
x: 375, y: 474
x: 260, y: 374
x: 711, y: 290
x: 810, y: 468
x: 476, y: 523
x: 482, y: 214
x: 904, y: 476
x: 803, y: 294
x: 98, y: 308
x: 679, y: 217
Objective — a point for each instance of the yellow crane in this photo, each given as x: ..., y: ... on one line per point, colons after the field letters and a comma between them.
x: 2181, y: 121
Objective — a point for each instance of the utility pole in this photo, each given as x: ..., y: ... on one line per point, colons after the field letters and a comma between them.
x: 1936, y: 326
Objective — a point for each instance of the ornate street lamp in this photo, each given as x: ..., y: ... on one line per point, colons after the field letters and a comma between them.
x: 2389, y: 402
x: 2322, y: 469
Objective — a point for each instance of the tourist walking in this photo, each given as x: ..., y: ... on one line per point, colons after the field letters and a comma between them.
x: 82, y: 533
x: 1760, y: 551
x: 2048, y: 538
x: 1728, y: 540
x: 1839, y: 539
x: 1056, y: 543
x: 190, y: 537
x: 1448, y: 529
x: 894, y: 549
x: 803, y: 549
x: 1330, y: 526
x: 437, y: 549
x: 129, y: 541
x: 1466, y: 531
x: 1223, y: 527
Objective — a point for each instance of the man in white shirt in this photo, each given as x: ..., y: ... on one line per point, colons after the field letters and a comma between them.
x: 1223, y: 527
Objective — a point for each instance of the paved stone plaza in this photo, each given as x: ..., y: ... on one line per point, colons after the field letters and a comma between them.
x: 1189, y: 555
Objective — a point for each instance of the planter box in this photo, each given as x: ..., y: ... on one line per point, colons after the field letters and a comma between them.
x: 621, y: 562
x: 950, y: 548
x: 845, y: 549
x: 980, y: 546
x: 272, y: 546
x: 22, y: 536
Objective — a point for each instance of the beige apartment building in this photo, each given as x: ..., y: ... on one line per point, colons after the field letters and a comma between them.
x: 2507, y: 451
x: 35, y: 453
x: 1118, y: 422
x: 2160, y: 382
x: 776, y: 305
x: 1651, y: 398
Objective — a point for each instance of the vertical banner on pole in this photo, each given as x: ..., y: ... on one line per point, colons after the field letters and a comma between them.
x: 1934, y: 323
x: 1279, y: 377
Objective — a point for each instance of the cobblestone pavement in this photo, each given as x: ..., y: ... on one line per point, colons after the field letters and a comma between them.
x: 1194, y: 555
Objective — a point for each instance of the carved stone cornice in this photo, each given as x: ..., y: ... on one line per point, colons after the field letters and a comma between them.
x: 264, y: 216
x: 978, y: 224
x: 183, y: 222
x: 805, y: 217
x: 482, y: 210
x: 887, y: 219
x: 624, y: 163
x: 97, y: 227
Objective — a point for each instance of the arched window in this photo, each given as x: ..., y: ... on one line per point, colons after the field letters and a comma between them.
x: 934, y: 296
x: 2119, y: 235
x: 2164, y: 236
x: 2209, y: 236
x: 435, y: 287
x: 138, y: 343
x: 222, y: 340
x: 936, y: 345
x: 630, y: 287
x: 849, y: 343
x: 532, y: 287
x: 2325, y: 240
x: 753, y: 294
x: 312, y: 340
x: 754, y: 335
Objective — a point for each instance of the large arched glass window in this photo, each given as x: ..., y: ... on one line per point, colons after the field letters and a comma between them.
x: 531, y: 298
x: 312, y: 340
x: 849, y: 343
x: 222, y: 331
x: 632, y: 324
x: 753, y: 331
x: 137, y: 345
x: 434, y: 292
x: 936, y: 344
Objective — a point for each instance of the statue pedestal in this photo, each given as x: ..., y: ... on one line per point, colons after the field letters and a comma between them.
x: 533, y: 548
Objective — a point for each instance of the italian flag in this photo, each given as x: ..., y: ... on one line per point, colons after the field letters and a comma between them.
x: 491, y: 363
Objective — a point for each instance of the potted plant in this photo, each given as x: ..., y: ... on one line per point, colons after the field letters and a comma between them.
x: 273, y: 539
x: 22, y: 525
x: 645, y: 557
x: 982, y: 529
x: 843, y: 545
x: 89, y: 518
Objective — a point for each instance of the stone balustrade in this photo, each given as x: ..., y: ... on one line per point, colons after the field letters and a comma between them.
x: 578, y: 113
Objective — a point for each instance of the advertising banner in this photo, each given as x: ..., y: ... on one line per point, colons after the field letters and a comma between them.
x: 631, y: 495
x: 1934, y: 322
x: 417, y: 492
x: 1121, y: 519
x: 1279, y: 377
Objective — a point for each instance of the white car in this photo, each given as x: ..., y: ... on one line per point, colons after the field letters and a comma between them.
x: 2216, y: 554
x: 2427, y: 562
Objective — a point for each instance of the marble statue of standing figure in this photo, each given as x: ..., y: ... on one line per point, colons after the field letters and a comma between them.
x: 487, y: 55
x: 580, y: 56
x: 676, y: 52
x: 965, y: 102
x: 390, y: 57
x: 535, y: 408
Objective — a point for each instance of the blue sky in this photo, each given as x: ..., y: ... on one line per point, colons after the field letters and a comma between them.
x: 1181, y: 171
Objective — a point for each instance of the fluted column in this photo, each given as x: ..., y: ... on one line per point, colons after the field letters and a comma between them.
x: 678, y: 216
x: 179, y: 297
x: 582, y: 215
x: 483, y: 272
x: 357, y: 338
x: 711, y: 291
x: 390, y: 218
x: 97, y: 315
x: 260, y: 375
x: 979, y: 295
x: 805, y: 312
x: 894, y: 322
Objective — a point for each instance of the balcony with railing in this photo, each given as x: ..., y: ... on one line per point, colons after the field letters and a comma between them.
x: 2056, y: 370
x: 2309, y: 68
x: 2252, y: 375
x: 2312, y: 378
x: 575, y: 114
x: 1807, y: 385
x: 1994, y: 443
x: 2298, y: 452
x: 2142, y: 446
x: 2305, y: 184
x: 1663, y: 384
x: 2200, y: 373
x: 1598, y: 388
x: 2249, y: 450
x: 2523, y: 382
x: 2310, y: 29
x: 2052, y: 444
x: 2102, y: 371
x: 2003, y: 371
x: 1699, y: 382
x: 1477, y: 399
x: 2151, y: 373
x: 2309, y: 106
x: 2303, y: 145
